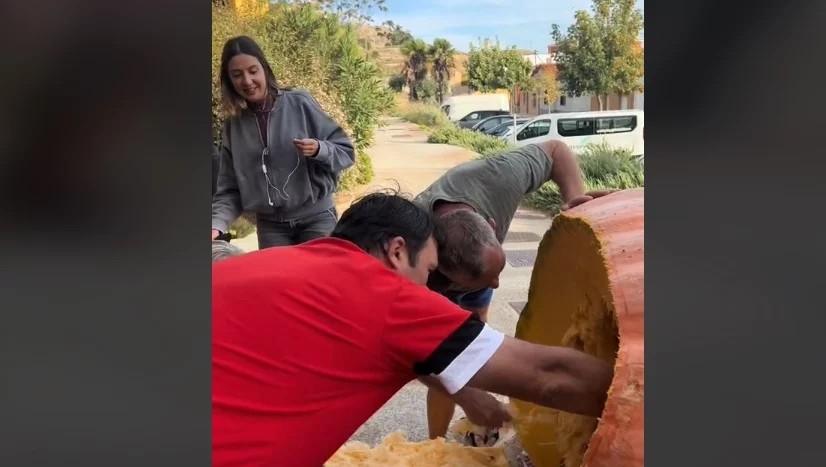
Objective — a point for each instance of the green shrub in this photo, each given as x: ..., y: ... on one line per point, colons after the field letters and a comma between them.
x: 429, y: 116
x: 242, y: 226
x: 397, y: 82
x: 473, y: 140
x: 361, y: 173
x: 365, y: 173
x: 427, y: 90
x: 602, y: 168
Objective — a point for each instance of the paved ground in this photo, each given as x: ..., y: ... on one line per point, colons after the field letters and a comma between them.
x: 402, y: 157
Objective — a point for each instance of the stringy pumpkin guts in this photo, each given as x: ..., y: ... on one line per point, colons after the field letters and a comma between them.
x: 396, y: 451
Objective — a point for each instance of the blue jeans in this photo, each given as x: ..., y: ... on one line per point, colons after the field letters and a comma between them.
x: 295, y: 232
x: 473, y: 300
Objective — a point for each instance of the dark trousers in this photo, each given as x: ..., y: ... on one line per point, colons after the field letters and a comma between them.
x: 271, y: 233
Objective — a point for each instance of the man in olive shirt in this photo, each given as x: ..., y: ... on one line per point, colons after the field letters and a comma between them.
x: 475, y: 203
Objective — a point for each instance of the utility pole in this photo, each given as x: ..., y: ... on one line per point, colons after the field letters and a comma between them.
x: 513, y: 109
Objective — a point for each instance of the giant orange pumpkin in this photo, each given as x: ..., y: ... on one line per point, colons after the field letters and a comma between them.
x: 587, y: 291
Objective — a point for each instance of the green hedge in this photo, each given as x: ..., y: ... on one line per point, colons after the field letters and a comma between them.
x: 602, y: 168
x: 477, y: 142
x: 425, y: 115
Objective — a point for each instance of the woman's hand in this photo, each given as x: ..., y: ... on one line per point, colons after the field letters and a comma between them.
x: 307, y: 147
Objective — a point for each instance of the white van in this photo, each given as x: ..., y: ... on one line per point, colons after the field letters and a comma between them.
x: 469, y: 110
x: 618, y: 128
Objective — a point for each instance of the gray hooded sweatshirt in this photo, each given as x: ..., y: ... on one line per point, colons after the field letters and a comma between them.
x: 294, y: 186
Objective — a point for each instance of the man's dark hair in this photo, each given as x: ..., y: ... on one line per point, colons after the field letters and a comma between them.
x: 375, y: 219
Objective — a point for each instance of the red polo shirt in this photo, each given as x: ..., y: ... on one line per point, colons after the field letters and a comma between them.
x: 309, y: 341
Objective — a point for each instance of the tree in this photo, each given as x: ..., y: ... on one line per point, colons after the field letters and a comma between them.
x: 547, y: 84
x: 350, y: 11
x: 600, y: 54
x: 442, y: 56
x: 490, y: 67
x: 415, y: 66
x: 394, y: 33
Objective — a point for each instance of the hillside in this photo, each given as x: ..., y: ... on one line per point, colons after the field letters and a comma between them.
x: 391, y: 60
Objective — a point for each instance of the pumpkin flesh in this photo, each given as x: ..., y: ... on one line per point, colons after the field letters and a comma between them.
x: 587, y: 274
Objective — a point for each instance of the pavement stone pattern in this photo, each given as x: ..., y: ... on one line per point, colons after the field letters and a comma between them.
x: 521, y: 258
x: 520, y: 237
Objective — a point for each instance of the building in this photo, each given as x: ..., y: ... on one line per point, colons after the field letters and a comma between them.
x: 532, y: 103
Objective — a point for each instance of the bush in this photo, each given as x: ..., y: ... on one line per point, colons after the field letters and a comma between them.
x: 477, y: 142
x: 427, y: 90
x: 426, y: 115
x: 603, y: 167
x: 242, y: 226
x: 397, y: 82
x: 361, y: 173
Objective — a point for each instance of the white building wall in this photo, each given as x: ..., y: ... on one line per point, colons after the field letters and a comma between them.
x: 572, y: 104
x: 538, y: 59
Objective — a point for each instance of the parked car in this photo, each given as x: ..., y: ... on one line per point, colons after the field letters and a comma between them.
x: 475, y: 107
x: 471, y: 119
x: 489, y: 123
x: 503, y: 127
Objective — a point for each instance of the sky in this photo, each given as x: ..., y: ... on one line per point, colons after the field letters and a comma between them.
x: 523, y: 23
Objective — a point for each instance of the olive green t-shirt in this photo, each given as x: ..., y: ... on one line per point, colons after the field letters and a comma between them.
x: 494, y: 186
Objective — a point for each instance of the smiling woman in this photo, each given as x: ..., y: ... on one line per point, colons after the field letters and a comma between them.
x: 281, y: 155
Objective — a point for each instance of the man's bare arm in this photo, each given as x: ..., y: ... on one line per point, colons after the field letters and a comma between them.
x: 564, y: 169
x: 480, y: 407
x: 566, y: 174
x: 557, y: 377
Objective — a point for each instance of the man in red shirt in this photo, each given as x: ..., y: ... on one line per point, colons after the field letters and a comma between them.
x: 309, y: 341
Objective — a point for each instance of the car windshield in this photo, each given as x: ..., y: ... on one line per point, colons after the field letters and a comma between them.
x: 503, y: 128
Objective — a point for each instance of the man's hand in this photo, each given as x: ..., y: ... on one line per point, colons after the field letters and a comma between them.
x: 215, y: 234
x: 482, y: 409
x: 307, y: 147
x: 585, y: 198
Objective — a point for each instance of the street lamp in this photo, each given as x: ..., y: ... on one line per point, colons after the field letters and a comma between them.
x: 513, y: 109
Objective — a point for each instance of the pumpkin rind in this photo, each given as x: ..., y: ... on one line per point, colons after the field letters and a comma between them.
x: 590, y: 276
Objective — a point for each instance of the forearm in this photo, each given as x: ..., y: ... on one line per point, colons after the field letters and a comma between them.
x: 565, y: 170
x: 574, y: 381
x: 557, y: 377
x: 458, y: 397
x: 335, y: 148
x: 336, y: 154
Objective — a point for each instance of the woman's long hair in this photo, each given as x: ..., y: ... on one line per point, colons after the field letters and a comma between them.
x: 234, y: 102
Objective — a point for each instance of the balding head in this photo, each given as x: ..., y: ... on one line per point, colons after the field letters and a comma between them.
x: 469, y: 253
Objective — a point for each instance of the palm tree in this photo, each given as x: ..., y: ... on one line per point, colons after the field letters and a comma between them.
x: 415, y: 67
x: 441, y: 55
